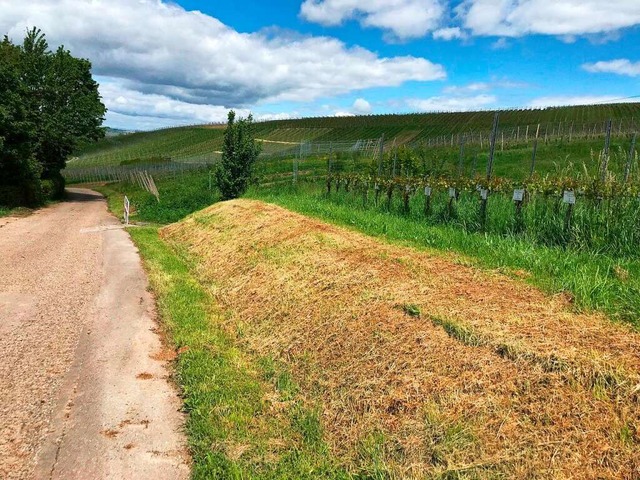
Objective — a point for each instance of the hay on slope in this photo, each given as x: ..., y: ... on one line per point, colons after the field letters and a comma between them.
x: 453, y: 368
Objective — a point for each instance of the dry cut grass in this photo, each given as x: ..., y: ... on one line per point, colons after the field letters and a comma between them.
x: 431, y: 367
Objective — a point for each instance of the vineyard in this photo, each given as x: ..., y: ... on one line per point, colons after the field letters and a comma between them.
x: 440, y: 132
x: 569, y: 183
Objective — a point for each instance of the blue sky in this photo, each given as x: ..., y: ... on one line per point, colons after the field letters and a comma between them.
x: 161, y: 64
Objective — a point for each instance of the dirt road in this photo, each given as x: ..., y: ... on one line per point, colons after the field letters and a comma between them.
x: 81, y: 395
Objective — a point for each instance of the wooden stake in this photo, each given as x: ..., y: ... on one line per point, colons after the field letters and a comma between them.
x: 461, y: 158
x: 604, y: 166
x: 492, y: 148
x: 632, y: 152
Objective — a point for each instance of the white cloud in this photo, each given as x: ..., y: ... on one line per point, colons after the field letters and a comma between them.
x: 403, y: 19
x: 620, y: 67
x: 513, y: 18
x: 470, y: 88
x: 448, y: 33
x: 451, y: 104
x: 476, y: 87
x: 500, y: 44
x: 559, y: 101
x: 361, y: 107
x: 158, y: 48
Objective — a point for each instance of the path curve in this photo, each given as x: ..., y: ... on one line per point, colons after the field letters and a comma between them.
x: 81, y: 395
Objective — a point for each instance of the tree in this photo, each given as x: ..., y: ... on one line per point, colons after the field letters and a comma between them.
x: 239, y: 154
x: 19, y: 170
x: 57, y: 100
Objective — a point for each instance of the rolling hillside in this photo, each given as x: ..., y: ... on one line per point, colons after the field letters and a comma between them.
x: 203, y: 143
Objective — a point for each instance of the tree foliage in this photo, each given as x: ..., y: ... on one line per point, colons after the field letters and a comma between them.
x: 49, y: 105
x: 239, y: 154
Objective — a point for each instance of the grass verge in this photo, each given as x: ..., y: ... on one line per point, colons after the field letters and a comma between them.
x: 594, y: 282
x: 17, y: 212
x: 246, y: 418
x: 179, y: 197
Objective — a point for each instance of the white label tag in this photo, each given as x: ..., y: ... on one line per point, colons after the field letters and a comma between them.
x: 569, y: 197
x: 484, y: 193
x: 427, y: 191
x: 377, y: 187
x: 452, y: 192
x: 518, y: 195
x: 407, y: 188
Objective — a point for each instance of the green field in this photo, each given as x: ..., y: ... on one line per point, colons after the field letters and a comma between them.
x: 567, y: 135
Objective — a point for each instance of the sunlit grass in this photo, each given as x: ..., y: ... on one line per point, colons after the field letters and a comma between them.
x: 594, y: 280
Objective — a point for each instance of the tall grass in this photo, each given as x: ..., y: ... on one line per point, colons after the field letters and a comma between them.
x: 608, y: 225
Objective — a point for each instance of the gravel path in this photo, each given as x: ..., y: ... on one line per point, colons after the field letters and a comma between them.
x: 73, y: 312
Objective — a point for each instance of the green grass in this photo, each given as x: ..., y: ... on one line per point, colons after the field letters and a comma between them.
x: 19, y: 211
x: 179, y: 197
x: 232, y: 431
x: 594, y: 281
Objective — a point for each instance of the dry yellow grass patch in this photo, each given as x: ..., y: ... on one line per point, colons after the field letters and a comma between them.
x: 444, y: 367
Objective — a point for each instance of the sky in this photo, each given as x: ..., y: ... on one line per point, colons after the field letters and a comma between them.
x: 163, y: 63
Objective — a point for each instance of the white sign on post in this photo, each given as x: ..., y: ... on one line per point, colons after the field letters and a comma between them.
x: 484, y: 193
x: 518, y: 195
x: 452, y: 192
x: 427, y: 191
x: 569, y: 197
x: 126, y: 210
x: 376, y: 187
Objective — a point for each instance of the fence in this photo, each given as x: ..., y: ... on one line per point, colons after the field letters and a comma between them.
x: 130, y: 173
x: 498, y: 138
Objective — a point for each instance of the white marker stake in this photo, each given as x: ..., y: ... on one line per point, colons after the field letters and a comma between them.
x: 427, y: 191
x: 452, y: 192
x: 484, y: 193
x: 126, y: 210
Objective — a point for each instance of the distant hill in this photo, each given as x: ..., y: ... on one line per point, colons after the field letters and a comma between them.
x: 114, y: 132
x: 203, y: 143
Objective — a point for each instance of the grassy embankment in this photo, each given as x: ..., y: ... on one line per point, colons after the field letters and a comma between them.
x: 594, y: 281
x: 246, y: 417
x: 419, y: 355
x: 274, y: 432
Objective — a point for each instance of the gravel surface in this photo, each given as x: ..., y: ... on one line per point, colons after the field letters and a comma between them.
x: 53, y: 288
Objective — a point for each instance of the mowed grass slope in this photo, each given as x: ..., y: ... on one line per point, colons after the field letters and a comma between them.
x: 416, y: 364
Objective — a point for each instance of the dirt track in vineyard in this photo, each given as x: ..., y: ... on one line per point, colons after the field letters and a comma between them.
x: 75, y: 332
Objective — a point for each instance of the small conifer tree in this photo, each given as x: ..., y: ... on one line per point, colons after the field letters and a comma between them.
x: 239, y: 154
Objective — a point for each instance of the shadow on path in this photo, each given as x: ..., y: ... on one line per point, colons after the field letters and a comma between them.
x: 82, y: 195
